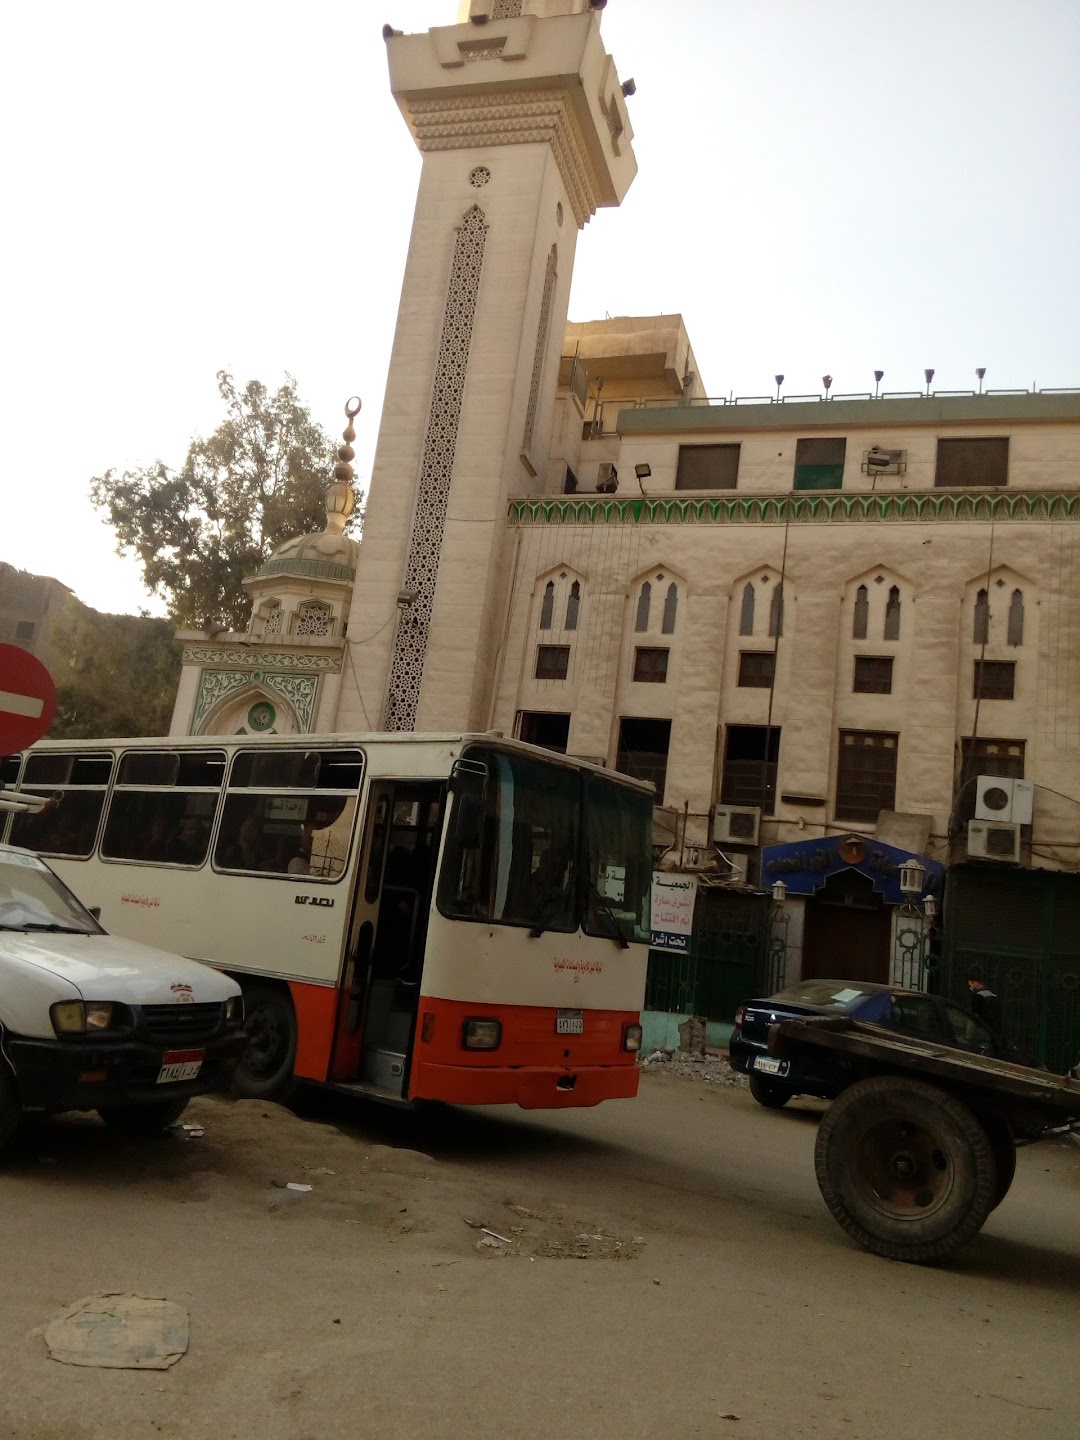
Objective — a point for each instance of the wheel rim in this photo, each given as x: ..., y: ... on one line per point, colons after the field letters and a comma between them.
x: 268, y: 1041
x: 903, y: 1169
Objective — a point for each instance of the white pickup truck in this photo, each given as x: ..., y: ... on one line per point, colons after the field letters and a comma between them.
x: 89, y: 1021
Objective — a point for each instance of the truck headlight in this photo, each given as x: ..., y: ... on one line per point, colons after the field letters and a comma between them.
x: 234, y: 1010
x: 76, y: 1017
x: 481, y: 1034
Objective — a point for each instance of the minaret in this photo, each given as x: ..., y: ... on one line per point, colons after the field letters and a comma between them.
x: 521, y: 120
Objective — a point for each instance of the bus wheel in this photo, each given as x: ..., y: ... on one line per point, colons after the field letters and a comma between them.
x: 906, y: 1168
x: 143, y: 1119
x: 266, y: 1066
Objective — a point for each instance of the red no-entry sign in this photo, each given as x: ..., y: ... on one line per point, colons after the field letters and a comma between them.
x: 27, y: 699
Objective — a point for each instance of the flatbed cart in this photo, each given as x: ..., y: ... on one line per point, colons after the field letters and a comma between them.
x: 913, y: 1157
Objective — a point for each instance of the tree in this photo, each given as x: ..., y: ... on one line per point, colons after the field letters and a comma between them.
x: 116, y: 675
x: 259, y: 479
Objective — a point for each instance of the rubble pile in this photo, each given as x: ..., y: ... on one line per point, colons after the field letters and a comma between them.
x: 709, y: 1069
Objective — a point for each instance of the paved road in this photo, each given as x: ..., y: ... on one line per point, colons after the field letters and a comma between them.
x: 670, y: 1266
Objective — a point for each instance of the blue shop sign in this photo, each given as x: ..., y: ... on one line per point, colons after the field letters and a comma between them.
x: 805, y: 865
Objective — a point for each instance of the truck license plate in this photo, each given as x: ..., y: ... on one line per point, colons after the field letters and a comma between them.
x: 767, y: 1065
x: 569, y: 1022
x: 180, y: 1065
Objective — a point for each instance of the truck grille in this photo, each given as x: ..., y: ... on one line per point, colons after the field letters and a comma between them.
x: 183, y: 1022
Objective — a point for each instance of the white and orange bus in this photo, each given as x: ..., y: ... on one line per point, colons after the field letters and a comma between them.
x: 457, y: 917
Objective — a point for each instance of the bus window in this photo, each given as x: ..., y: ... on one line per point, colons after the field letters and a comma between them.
x: 163, y: 806
x: 618, y: 844
x: 512, y: 849
x: 69, y: 827
x: 282, y: 816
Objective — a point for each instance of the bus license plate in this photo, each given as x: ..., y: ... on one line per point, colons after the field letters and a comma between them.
x: 569, y: 1022
x: 180, y: 1065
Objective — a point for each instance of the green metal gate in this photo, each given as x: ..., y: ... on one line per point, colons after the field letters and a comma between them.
x: 726, y: 963
x: 1021, y: 929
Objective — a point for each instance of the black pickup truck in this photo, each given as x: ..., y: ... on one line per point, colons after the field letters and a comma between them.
x: 916, y: 1152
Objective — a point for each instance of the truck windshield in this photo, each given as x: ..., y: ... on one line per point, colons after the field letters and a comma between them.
x: 618, y: 845
x: 32, y: 898
x: 512, y: 852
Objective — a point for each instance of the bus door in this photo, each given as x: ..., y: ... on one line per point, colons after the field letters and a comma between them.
x: 381, y: 977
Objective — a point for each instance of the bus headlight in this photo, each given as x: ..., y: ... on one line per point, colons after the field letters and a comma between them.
x: 631, y: 1037
x: 481, y: 1034
x: 234, y: 1010
x: 76, y: 1017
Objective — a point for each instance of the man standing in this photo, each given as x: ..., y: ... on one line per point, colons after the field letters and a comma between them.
x: 985, y: 1005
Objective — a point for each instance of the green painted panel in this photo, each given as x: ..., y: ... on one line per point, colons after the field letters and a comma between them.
x: 819, y: 477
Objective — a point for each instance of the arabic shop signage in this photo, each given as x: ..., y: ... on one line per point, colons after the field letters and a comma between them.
x: 805, y: 865
x: 673, y: 899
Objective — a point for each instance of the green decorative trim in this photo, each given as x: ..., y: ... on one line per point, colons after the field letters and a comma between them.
x: 310, y: 569
x: 806, y: 508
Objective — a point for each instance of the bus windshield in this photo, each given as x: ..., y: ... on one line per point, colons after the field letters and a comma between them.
x: 519, y: 853
x: 618, y: 843
x: 513, y: 850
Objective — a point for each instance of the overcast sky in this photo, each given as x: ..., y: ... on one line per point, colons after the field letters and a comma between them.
x: 824, y: 187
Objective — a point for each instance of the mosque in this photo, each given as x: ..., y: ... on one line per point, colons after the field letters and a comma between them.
x: 836, y: 631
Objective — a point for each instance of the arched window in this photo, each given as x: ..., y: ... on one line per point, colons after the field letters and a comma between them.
x: 547, y: 605
x: 644, y: 601
x: 776, y: 611
x: 862, y: 613
x: 892, y: 614
x: 573, y: 605
x: 980, y: 633
x: 272, y: 619
x: 314, y: 618
x: 746, y: 614
x: 1016, y: 618
x: 671, y: 605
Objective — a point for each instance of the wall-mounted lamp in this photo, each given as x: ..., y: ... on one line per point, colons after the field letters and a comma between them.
x: 929, y: 906
x: 980, y: 373
x: 406, y: 599
x: 779, y: 891
x: 912, y: 875
x: 826, y: 380
x: 929, y: 374
x: 779, y: 381
x: 879, y: 375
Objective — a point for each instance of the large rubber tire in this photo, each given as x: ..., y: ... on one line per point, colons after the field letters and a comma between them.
x: 770, y: 1093
x: 10, y: 1114
x: 1004, y: 1148
x: 906, y: 1168
x: 265, y: 1071
x: 149, y: 1119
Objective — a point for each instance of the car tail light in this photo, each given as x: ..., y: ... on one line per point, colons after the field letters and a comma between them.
x: 481, y: 1034
x: 631, y: 1037
x: 740, y: 1016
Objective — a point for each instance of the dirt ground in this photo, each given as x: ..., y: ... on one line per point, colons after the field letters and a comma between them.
x: 662, y: 1266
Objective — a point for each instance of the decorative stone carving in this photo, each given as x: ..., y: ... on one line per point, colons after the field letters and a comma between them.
x: 314, y: 618
x: 526, y: 117
x: 506, y: 9
x: 550, y: 276
x: 257, y: 660
x: 300, y: 691
x: 436, y: 470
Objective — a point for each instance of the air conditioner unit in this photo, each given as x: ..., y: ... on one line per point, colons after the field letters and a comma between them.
x: 740, y: 867
x: 879, y: 461
x: 736, y: 825
x: 999, y: 798
x: 993, y: 840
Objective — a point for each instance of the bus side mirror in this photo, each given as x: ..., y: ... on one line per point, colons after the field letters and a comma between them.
x: 94, y: 911
x: 468, y: 821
